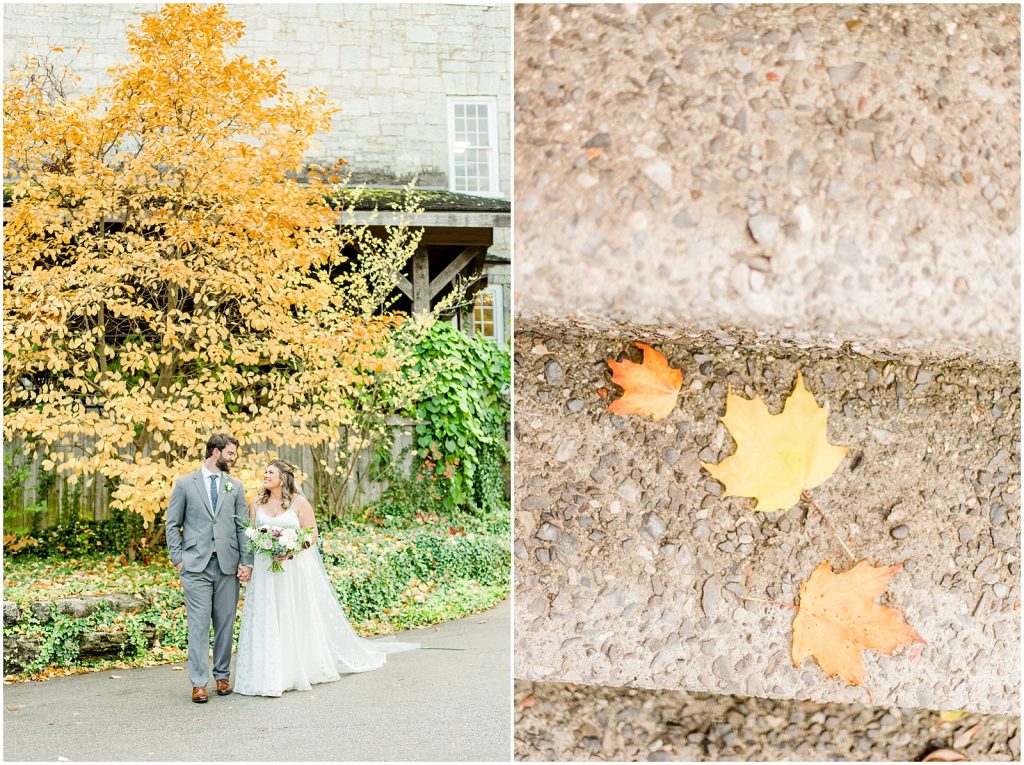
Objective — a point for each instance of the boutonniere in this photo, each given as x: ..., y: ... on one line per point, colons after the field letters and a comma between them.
x: 229, y: 487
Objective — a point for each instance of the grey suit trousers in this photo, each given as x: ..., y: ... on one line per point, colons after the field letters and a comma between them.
x: 210, y: 595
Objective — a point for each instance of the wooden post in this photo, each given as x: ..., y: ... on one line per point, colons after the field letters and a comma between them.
x: 420, y: 280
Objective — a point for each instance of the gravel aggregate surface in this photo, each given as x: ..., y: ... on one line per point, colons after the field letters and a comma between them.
x: 830, y: 171
x: 630, y: 565
x: 597, y: 723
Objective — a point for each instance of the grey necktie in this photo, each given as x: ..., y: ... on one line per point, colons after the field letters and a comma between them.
x: 213, y: 491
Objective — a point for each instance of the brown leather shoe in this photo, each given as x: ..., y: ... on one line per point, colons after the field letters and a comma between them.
x: 199, y: 695
x: 223, y: 688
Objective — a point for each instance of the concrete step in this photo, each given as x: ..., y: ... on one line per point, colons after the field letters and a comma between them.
x: 574, y: 723
x: 757, y: 189
x: 827, y: 173
x: 629, y: 564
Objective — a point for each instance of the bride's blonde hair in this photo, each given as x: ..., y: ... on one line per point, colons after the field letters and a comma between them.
x: 289, y: 487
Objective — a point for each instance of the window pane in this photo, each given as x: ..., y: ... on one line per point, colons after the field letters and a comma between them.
x: 471, y: 158
x: 483, y: 314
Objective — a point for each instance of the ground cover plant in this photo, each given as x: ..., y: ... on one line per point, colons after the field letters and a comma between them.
x: 388, y: 578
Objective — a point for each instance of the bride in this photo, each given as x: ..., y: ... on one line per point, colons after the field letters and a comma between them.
x: 294, y: 633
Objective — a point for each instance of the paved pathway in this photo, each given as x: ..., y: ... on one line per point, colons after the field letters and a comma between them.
x: 452, y: 702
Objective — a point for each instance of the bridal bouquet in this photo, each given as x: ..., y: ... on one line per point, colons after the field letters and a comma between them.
x: 279, y: 542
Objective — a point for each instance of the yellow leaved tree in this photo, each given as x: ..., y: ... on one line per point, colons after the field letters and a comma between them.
x: 167, y: 277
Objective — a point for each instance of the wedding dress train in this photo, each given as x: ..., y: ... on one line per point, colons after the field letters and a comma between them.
x: 294, y: 632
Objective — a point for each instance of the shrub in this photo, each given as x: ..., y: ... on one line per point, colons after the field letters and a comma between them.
x: 77, y: 537
x: 374, y: 575
x: 460, y: 430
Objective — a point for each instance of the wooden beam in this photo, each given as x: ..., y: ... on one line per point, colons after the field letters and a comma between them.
x: 420, y: 280
x: 464, y: 236
x: 405, y: 286
x: 454, y: 268
x: 447, y: 235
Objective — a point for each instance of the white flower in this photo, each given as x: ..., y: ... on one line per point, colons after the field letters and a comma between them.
x: 266, y: 544
x: 251, y: 533
x: 288, y: 544
x: 229, y: 487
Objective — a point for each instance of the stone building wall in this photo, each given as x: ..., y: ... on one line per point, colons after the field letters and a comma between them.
x: 391, y: 68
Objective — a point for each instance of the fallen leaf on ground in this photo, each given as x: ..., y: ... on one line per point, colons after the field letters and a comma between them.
x: 952, y: 715
x: 838, y: 618
x: 650, y: 388
x: 965, y: 738
x: 944, y: 755
x: 777, y: 456
x: 528, y: 701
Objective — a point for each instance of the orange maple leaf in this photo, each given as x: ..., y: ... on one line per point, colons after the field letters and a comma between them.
x: 649, y: 388
x: 838, y: 618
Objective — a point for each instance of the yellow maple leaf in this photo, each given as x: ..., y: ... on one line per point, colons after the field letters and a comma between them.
x: 838, y: 618
x: 649, y: 388
x: 777, y: 456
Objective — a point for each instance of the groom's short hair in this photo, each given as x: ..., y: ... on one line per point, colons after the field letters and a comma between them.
x: 219, y: 441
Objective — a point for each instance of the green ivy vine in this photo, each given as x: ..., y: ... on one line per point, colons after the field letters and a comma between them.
x: 460, y: 430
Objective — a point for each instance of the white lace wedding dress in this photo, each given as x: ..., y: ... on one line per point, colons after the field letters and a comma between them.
x: 294, y: 632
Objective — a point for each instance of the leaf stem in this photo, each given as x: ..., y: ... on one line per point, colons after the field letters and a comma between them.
x: 765, y: 600
x: 807, y: 496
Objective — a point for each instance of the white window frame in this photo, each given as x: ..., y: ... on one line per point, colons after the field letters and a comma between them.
x: 492, y: 129
x: 498, y: 307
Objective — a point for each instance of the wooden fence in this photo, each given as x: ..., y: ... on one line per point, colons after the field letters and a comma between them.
x: 35, y: 499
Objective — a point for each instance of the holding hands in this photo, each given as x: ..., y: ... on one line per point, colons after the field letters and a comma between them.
x: 244, y: 573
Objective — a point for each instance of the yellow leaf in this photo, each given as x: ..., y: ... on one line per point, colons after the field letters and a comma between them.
x: 953, y: 715
x: 777, y: 456
x: 838, y: 618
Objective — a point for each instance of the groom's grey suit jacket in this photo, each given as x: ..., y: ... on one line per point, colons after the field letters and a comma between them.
x: 195, y: 530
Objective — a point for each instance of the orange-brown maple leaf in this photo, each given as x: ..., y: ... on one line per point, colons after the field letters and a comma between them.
x: 838, y: 618
x: 649, y: 388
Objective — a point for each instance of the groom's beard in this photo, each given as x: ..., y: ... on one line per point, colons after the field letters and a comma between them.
x: 224, y: 466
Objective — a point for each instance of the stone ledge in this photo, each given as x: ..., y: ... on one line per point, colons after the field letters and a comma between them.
x: 21, y: 650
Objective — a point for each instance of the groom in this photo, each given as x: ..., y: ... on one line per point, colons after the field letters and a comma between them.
x: 205, y: 540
